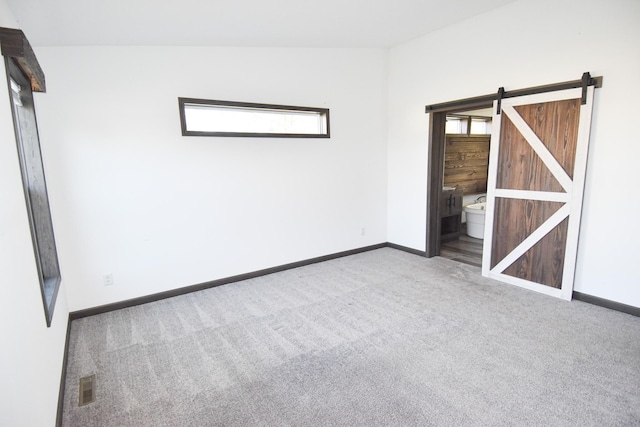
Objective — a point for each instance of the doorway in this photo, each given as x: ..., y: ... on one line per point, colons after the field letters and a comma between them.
x: 458, y: 166
x: 466, y: 168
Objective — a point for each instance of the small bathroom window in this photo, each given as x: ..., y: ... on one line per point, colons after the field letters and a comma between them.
x: 460, y: 124
x: 456, y: 125
x: 480, y: 126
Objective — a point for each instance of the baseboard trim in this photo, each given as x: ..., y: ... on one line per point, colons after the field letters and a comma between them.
x: 219, y: 282
x: 613, y: 305
x: 406, y: 249
x: 63, y: 375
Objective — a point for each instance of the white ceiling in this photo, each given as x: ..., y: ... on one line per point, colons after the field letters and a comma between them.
x: 275, y: 23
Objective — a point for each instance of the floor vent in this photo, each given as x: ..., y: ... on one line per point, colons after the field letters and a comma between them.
x: 87, y: 390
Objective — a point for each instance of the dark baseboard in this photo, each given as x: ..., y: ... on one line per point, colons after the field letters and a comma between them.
x: 212, y: 284
x: 63, y: 375
x: 613, y: 305
x: 406, y: 249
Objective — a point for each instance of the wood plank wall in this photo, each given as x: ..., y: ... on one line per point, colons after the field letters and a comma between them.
x: 466, y: 162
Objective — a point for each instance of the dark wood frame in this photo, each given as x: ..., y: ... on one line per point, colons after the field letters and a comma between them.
x: 22, y: 66
x: 15, y: 45
x: 39, y: 214
x: 435, y: 179
x: 435, y: 170
x: 183, y: 123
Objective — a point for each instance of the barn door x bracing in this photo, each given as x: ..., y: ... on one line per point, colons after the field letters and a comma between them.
x: 534, y: 197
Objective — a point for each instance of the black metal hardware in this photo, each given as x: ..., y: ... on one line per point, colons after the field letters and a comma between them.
x: 486, y: 100
x: 499, y: 99
x: 586, y: 81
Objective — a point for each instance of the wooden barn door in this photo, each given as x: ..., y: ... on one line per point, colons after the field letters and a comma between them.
x: 534, y: 197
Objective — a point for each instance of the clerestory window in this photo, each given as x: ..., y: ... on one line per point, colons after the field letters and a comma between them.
x: 203, y: 117
x: 467, y: 125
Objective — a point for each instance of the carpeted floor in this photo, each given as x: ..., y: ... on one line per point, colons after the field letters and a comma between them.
x: 382, y: 338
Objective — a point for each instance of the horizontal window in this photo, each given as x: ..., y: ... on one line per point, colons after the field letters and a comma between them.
x: 480, y: 126
x: 202, y: 117
x: 469, y: 125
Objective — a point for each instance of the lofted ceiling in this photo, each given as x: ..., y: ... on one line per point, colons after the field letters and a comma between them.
x: 272, y: 23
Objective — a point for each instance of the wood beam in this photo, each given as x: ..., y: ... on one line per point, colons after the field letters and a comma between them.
x: 14, y: 44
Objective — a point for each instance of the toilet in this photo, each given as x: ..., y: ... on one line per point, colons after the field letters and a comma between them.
x: 475, y: 219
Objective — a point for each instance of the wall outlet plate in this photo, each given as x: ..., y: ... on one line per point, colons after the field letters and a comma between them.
x: 108, y: 279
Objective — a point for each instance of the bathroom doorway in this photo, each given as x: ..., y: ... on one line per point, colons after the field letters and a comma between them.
x: 466, y: 167
x: 458, y: 169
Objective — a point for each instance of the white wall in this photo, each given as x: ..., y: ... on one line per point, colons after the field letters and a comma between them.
x: 161, y: 211
x: 31, y: 354
x: 533, y: 42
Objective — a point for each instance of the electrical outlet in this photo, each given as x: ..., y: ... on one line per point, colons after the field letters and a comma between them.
x: 108, y: 279
x: 363, y: 231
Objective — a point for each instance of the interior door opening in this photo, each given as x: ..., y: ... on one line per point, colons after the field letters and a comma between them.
x: 458, y: 169
x: 464, y: 191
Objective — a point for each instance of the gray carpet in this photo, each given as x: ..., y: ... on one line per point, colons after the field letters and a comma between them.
x: 382, y: 338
